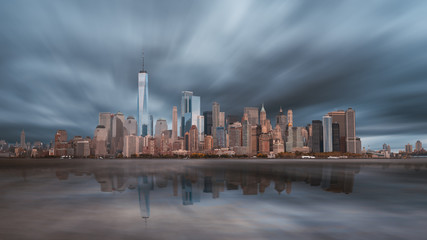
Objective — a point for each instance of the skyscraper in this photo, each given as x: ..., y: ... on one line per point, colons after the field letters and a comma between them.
x: 190, y: 109
x: 161, y: 125
x: 262, y: 116
x: 208, y: 122
x: 144, y: 126
x: 281, y: 121
x: 193, y: 139
x: 130, y: 126
x: 335, y: 137
x: 201, y: 127
x: 105, y: 119
x: 23, y: 145
x: 253, y: 115
x: 174, y: 123
x: 350, y: 120
x: 317, y: 136
x: 290, y: 118
x: 100, y: 140
x: 339, y: 117
x: 327, y: 133
x: 418, y: 146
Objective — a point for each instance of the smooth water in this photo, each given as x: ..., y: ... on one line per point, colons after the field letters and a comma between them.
x: 213, y: 199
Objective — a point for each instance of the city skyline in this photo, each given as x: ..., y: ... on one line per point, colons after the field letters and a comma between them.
x: 369, y: 68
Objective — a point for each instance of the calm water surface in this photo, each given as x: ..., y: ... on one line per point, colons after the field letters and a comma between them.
x: 213, y: 199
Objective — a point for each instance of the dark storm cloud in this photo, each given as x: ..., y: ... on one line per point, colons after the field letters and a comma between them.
x: 63, y: 62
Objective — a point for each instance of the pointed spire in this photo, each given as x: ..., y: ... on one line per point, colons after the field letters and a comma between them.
x: 143, y: 60
x: 281, y: 110
x: 263, y: 109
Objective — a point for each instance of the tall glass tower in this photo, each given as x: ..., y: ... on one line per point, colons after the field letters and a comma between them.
x: 144, y: 126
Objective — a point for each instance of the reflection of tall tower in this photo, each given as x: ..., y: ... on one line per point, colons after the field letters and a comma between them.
x: 145, y: 184
x: 144, y: 126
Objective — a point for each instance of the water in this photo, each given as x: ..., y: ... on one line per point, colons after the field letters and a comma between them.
x: 213, y: 199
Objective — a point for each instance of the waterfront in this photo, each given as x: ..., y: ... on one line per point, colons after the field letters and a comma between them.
x: 213, y: 199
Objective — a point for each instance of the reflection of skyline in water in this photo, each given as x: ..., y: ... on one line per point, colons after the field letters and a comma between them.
x: 211, y: 200
x: 193, y: 181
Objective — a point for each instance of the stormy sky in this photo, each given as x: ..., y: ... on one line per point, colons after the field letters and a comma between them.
x: 63, y: 62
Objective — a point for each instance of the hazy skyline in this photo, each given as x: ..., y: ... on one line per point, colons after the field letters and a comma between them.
x: 63, y: 62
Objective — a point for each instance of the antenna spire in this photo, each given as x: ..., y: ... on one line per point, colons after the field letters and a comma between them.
x: 142, y: 60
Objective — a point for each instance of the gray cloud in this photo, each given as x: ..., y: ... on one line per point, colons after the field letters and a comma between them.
x: 63, y: 62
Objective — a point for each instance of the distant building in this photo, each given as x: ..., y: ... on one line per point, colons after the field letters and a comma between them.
x: 174, y: 123
x: 130, y: 126
x: 131, y: 146
x: 317, y: 138
x: 220, y: 136
x: 290, y: 118
x: 190, y: 109
x: 144, y: 121
x: 201, y: 127
x: 100, y: 140
x: 418, y: 146
x: 208, y: 122
x: 23, y: 145
x: 161, y: 125
x: 335, y: 137
x: 327, y: 133
x: 282, y: 122
x: 350, y: 118
x: 253, y: 115
x: 235, y: 134
x: 193, y: 139
x: 262, y: 116
x: 82, y: 149
x: 339, y: 118
x: 208, y: 144
x: 294, y: 139
x: 408, y: 148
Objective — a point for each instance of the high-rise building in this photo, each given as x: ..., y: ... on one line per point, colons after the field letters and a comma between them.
x: 208, y: 122
x: 294, y: 139
x: 350, y: 120
x: 221, y: 119
x: 201, y: 127
x: 190, y: 109
x: 246, y: 136
x: 290, y: 118
x: 161, y: 125
x: 317, y: 136
x: 418, y: 146
x: 144, y: 126
x: 339, y: 117
x: 327, y: 133
x: 408, y: 148
x: 100, y: 140
x: 282, y: 122
x: 232, y: 119
x: 174, y: 123
x: 130, y: 126
x: 335, y: 137
x: 253, y: 115
x: 235, y: 134
x: 215, y: 118
x: 82, y: 149
x: 61, y: 144
x: 117, y: 133
x: 220, y: 136
x: 193, y: 139
x: 131, y: 145
x: 23, y: 145
x: 105, y: 119
x: 208, y: 144
x: 262, y: 116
